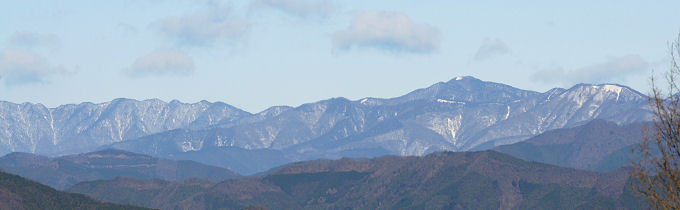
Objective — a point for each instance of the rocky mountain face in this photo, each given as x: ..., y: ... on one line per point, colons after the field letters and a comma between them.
x: 65, y: 171
x: 77, y: 128
x: 598, y: 145
x: 459, y: 115
x: 442, y: 180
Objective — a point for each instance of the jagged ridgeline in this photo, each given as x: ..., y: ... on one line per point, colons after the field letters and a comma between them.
x: 78, y: 128
x: 459, y: 115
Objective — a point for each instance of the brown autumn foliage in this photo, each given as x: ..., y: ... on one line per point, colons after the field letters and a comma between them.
x: 657, y: 168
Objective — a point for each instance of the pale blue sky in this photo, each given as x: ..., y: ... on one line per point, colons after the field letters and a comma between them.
x: 258, y: 53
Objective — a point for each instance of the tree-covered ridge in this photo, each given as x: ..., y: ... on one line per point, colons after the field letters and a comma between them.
x: 445, y: 180
x: 65, y: 171
x: 597, y: 145
x: 20, y: 193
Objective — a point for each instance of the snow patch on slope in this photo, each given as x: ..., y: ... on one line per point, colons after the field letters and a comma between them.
x: 613, y: 88
x: 449, y: 102
x: 447, y: 127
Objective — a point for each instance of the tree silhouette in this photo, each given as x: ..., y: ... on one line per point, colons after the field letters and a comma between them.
x: 657, y: 167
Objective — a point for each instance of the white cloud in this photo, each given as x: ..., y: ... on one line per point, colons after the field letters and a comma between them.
x: 21, y: 39
x: 18, y: 67
x: 204, y: 28
x: 612, y: 70
x: 390, y: 31
x: 299, y: 8
x: 491, y: 48
x: 162, y: 62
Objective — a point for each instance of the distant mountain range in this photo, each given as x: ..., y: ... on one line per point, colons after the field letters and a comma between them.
x: 20, y: 193
x: 598, y: 145
x: 63, y: 172
x: 70, y: 129
x: 442, y: 180
x: 459, y: 115
x: 462, y: 114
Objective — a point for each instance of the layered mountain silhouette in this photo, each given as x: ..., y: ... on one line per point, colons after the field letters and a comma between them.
x: 459, y: 115
x: 462, y: 114
x: 598, y: 145
x: 442, y: 180
x: 20, y: 193
x: 63, y: 172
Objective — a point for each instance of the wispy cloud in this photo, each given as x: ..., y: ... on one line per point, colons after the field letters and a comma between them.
x: 299, y: 8
x: 19, y: 67
x: 491, y: 48
x: 29, y: 40
x: 614, y: 69
x: 388, y: 31
x: 162, y: 62
x: 216, y: 23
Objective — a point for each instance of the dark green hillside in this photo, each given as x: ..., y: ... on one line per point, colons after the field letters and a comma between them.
x: 446, y: 180
x: 65, y: 171
x: 19, y: 193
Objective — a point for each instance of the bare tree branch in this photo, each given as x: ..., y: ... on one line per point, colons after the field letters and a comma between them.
x: 657, y: 166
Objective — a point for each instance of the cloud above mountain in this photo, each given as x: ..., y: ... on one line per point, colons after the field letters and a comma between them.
x: 162, y: 62
x: 614, y: 69
x: 299, y: 8
x: 387, y: 31
x: 20, y: 67
x: 491, y: 48
x: 215, y: 24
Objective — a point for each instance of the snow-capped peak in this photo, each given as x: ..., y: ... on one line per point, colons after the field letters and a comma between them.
x: 612, y: 88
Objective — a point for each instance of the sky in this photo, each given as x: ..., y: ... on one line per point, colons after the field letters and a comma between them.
x: 254, y: 54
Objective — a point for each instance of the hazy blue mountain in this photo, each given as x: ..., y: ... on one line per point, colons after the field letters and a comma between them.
x: 65, y: 171
x: 459, y: 115
x: 77, y: 128
x: 597, y: 145
x: 443, y: 180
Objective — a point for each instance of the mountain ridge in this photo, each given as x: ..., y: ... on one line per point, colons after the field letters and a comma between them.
x: 20, y: 193
x: 442, y: 180
x: 461, y: 114
x: 597, y: 145
x: 74, y: 128
x: 65, y: 171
